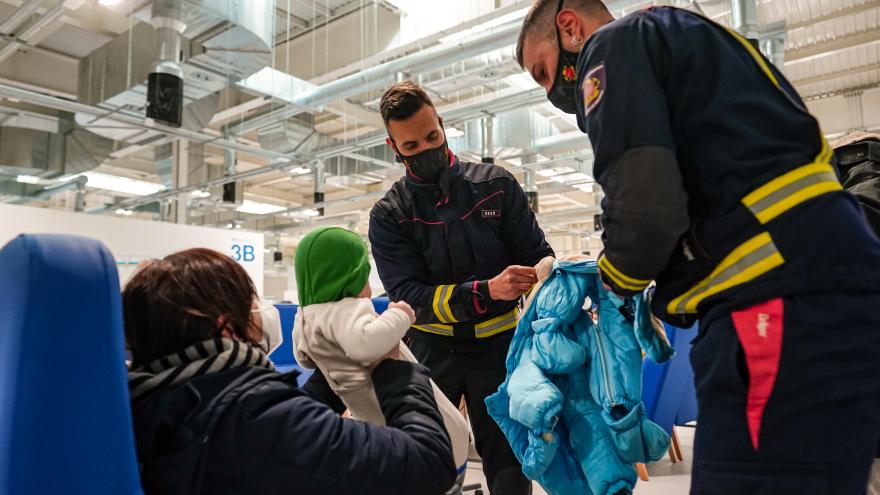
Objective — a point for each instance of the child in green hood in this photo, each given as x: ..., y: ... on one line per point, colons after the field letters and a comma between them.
x: 338, y: 331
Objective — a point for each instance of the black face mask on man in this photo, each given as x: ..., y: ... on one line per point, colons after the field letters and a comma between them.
x: 563, y: 94
x: 429, y: 165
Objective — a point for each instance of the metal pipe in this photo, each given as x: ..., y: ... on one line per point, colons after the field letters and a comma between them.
x: 78, y: 184
x: 134, y: 120
x: 27, y: 33
x: 383, y: 74
x: 19, y: 15
x: 561, y: 143
x: 745, y: 19
x: 488, y: 155
x: 774, y: 49
x: 374, y: 139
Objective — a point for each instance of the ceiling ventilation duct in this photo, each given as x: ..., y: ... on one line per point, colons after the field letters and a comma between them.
x: 47, y: 147
x: 210, y: 41
x: 287, y: 136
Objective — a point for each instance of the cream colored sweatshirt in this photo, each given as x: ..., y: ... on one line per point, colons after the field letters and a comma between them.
x: 343, y: 339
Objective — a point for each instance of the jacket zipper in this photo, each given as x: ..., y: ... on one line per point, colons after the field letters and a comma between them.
x: 609, y: 389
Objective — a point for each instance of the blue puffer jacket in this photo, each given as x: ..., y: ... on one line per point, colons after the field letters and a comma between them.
x: 571, y: 403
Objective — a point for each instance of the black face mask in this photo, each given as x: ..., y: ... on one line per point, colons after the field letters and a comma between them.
x: 563, y: 94
x: 429, y: 165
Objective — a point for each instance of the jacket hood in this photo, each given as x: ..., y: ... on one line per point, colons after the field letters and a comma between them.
x: 331, y: 264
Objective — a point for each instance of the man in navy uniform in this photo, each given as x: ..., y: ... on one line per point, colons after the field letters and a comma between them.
x: 718, y: 186
x: 458, y: 242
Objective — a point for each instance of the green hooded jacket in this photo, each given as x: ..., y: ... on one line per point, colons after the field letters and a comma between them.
x: 331, y: 264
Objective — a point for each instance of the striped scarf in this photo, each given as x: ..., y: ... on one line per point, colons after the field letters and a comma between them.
x: 211, y: 356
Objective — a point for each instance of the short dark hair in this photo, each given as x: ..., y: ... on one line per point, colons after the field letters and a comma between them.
x: 173, y: 303
x: 542, y: 18
x: 402, y: 100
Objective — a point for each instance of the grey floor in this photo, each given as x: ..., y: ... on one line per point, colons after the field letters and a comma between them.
x: 666, y: 478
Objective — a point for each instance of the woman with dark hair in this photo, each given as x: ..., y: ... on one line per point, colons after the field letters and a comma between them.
x: 212, y: 416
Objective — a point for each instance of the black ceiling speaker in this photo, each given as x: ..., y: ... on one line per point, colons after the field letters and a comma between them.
x: 165, y: 95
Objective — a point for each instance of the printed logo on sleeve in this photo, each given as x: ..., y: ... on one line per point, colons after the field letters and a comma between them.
x: 593, y: 88
x: 490, y: 213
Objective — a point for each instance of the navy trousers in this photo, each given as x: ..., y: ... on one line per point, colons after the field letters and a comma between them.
x: 789, y: 396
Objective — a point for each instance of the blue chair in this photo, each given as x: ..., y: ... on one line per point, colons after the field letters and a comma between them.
x: 282, y: 357
x: 65, y: 419
x: 381, y: 304
x: 668, y: 390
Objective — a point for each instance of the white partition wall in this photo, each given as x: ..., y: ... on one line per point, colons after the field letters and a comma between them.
x: 133, y: 241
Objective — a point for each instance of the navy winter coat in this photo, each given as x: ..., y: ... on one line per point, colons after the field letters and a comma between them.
x: 253, y: 431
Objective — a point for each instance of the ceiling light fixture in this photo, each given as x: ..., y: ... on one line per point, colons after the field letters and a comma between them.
x: 28, y: 179
x: 255, y: 208
x: 300, y: 170
x: 109, y: 3
x: 200, y: 194
x: 123, y: 185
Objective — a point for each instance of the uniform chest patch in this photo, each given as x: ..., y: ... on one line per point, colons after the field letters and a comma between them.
x: 490, y: 213
x: 569, y: 73
x: 593, y: 88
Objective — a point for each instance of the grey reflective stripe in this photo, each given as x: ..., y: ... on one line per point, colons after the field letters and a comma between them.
x: 794, y: 187
x: 478, y: 330
x: 441, y: 302
x: 434, y: 329
x: 710, y: 286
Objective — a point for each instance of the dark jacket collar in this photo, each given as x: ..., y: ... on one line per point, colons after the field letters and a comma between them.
x: 448, y: 178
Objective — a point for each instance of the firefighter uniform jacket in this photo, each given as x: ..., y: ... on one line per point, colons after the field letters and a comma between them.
x: 717, y: 179
x: 437, y: 245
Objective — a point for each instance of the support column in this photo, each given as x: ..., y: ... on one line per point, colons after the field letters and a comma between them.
x: 181, y: 179
x: 856, y: 111
x: 745, y: 19
x: 530, y: 188
x: 319, y: 186
x: 79, y: 202
x: 488, y: 140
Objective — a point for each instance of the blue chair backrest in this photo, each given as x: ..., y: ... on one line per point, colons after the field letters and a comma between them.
x: 381, y: 304
x: 65, y: 419
x: 668, y: 389
x: 282, y: 357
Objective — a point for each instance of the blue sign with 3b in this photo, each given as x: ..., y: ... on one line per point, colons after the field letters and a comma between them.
x: 243, y: 253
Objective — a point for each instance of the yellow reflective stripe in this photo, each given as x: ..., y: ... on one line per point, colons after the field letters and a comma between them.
x: 496, y: 325
x: 445, y: 330
x: 804, y: 194
x: 436, y: 304
x: 747, y: 262
x: 442, y: 295
x: 784, y: 180
x: 498, y: 330
x: 791, y: 189
x: 756, y: 56
x: 619, y: 279
x: 826, y: 153
x: 449, y: 290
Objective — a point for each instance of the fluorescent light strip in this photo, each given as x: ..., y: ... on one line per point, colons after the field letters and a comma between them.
x: 255, y: 208
x: 28, y: 179
x: 123, y: 185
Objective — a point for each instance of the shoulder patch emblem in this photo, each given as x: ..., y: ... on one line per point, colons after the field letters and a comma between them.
x: 593, y: 88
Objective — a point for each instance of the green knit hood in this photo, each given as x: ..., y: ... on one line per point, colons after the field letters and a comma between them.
x: 331, y: 264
